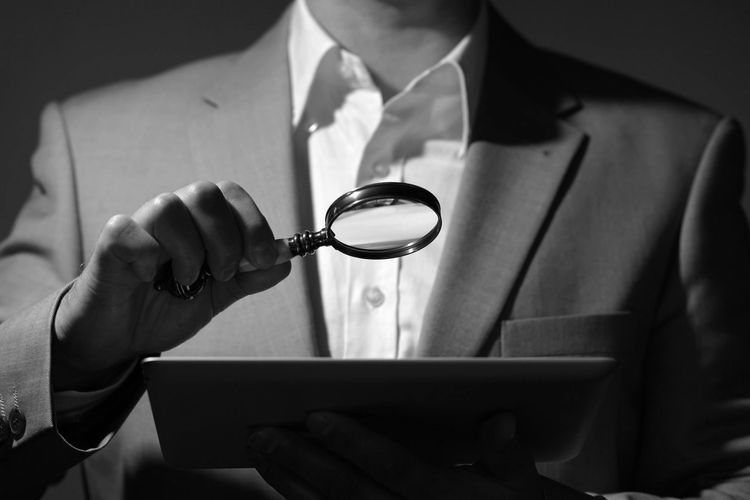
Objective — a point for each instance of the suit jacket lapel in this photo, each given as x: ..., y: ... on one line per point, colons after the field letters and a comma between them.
x: 242, y: 131
x: 516, y: 168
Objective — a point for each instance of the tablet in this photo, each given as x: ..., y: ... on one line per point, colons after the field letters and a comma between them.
x: 205, y: 408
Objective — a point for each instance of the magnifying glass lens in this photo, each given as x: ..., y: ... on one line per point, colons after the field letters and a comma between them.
x: 384, y: 224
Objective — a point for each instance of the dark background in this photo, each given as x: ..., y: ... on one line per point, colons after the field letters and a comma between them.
x: 50, y: 50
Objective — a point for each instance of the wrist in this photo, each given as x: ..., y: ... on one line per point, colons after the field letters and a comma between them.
x: 68, y: 376
x: 67, y: 372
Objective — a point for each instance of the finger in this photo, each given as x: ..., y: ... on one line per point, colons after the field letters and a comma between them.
x: 386, y: 462
x: 125, y: 247
x: 217, y: 226
x: 257, y: 237
x: 246, y: 283
x: 503, y: 456
x: 225, y: 294
x: 169, y: 222
x: 287, y: 483
x: 325, y: 473
x: 283, y: 254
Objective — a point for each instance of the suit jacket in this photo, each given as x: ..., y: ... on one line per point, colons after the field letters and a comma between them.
x: 596, y: 216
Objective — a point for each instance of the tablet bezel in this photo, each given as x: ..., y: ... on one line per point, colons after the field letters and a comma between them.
x: 204, y: 408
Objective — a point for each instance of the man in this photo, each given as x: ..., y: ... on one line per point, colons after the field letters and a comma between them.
x: 586, y: 214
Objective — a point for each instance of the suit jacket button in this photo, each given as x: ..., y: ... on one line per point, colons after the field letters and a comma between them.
x: 17, y: 421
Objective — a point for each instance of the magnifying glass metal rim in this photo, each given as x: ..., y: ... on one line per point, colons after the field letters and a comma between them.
x: 382, y: 190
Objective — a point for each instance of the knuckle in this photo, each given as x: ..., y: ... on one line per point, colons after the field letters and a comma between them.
x: 114, y: 231
x: 166, y: 201
x: 203, y: 192
x: 230, y: 188
x: 117, y: 223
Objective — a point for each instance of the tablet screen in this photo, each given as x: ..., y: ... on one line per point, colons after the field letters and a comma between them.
x: 434, y: 406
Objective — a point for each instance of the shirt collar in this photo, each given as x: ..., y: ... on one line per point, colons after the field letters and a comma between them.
x: 309, y: 42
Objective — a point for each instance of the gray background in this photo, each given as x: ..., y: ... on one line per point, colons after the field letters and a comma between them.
x: 697, y: 48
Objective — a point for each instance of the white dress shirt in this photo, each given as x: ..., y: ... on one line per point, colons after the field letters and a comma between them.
x: 374, y: 308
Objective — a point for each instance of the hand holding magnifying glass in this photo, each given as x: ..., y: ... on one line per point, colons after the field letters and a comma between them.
x: 377, y: 221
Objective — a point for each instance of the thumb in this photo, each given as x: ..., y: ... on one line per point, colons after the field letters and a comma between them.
x: 247, y: 283
x: 503, y: 456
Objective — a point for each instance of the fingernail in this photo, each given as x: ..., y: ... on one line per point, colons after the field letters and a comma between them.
x: 227, y: 273
x: 264, y: 256
x: 188, y: 279
x: 261, y: 441
x: 246, y: 266
x: 319, y: 423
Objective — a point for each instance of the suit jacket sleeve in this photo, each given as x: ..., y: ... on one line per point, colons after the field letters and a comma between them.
x: 37, y: 261
x: 695, y: 437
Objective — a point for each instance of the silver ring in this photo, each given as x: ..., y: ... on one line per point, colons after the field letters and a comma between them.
x: 184, y: 292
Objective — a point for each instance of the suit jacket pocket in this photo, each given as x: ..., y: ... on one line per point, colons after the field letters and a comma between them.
x: 612, y: 334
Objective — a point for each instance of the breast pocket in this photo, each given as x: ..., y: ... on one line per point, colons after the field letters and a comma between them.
x: 612, y: 334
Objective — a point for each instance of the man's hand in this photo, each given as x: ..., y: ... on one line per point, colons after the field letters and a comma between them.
x: 112, y: 314
x: 345, y: 460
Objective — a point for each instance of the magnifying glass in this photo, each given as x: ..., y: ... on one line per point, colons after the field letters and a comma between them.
x: 376, y: 221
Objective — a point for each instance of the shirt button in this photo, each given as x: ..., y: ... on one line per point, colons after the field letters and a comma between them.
x: 381, y: 170
x: 312, y: 127
x: 374, y: 296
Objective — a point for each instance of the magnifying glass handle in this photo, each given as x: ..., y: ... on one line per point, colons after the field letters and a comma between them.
x: 301, y: 244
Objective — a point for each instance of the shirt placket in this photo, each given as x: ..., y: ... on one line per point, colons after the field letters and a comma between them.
x: 373, y: 287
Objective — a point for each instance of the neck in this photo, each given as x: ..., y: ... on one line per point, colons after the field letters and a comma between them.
x: 396, y: 39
